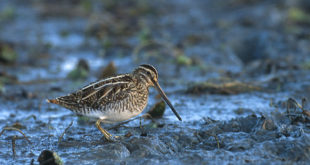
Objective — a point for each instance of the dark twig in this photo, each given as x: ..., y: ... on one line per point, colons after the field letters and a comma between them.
x: 13, y: 145
x: 14, y: 129
x: 40, y: 104
x: 140, y: 123
x: 217, y: 140
x: 32, y: 162
x: 303, y: 104
x: 31, y: 116
x: 296, y: 104
x: 60, y: 138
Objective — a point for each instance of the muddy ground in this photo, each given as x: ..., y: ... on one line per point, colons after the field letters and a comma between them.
x: 237, y: 72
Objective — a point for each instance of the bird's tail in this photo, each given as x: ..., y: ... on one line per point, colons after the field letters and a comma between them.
x: 65, y: 101
x: 54, y: 101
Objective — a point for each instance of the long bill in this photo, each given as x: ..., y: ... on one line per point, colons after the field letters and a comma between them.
x: 163, y: 95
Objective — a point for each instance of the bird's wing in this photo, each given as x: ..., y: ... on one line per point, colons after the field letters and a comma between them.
x: 107, y: 93
x: 96, y: 84
x: 97, y: 93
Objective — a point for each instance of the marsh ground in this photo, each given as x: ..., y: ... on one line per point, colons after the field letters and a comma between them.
x: 228, y: 67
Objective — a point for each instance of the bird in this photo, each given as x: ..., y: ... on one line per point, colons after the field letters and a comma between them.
x: 115, y: 99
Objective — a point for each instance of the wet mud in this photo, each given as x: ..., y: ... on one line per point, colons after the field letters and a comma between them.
x: 236, y: 71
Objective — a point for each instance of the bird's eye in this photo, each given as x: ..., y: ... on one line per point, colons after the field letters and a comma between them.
x: 149, y: 73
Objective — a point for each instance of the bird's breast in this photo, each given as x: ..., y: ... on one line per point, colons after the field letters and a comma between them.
x: 123, y: 109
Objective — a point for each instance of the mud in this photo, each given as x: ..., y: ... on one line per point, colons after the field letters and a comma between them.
x: 229, y: 68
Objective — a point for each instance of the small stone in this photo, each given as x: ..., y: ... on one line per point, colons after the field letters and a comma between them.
x: 128, y: 134
x: 269, y: 125
x: 7, y: 54
x: 81, y: 70
x: 108, y: 71
x: 157, y: 111
x: 48, y: 157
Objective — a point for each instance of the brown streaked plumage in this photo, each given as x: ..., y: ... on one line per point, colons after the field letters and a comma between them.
x: 115, y: 99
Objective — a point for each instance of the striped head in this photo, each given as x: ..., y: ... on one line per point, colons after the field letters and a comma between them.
x: 147, y: 74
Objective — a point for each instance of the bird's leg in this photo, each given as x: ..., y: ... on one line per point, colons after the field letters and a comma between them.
x: 106, y: 134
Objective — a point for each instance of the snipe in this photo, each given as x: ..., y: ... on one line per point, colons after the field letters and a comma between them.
x: 115, y: 99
